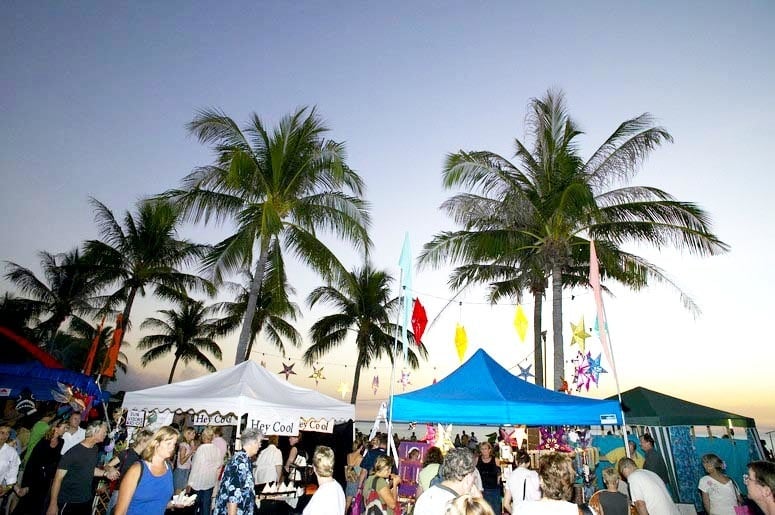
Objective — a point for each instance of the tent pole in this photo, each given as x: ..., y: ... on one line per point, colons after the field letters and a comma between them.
x: 104, y: 407
x: 391, y: 445
x: 616, y: 379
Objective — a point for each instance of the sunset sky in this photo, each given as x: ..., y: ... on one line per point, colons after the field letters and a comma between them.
x: 95, y: 97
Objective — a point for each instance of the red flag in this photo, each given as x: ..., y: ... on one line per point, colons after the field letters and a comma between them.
x: 93, y: 350
x: 109, y: 365
x: 419, y: 321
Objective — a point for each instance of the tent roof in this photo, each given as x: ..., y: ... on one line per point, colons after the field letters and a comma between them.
x: 482, y: 392
x: 646, y: 407
x: 247, y: 387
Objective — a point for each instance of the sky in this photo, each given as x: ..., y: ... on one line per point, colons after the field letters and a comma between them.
x: 95, y: 97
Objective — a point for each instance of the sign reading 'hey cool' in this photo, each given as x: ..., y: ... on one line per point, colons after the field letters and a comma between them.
x: 291, y: 426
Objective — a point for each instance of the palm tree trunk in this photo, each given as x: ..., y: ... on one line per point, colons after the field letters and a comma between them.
x: 538, y: 348
x: 250, y: 311
x: 559, y: 354
x: 130, y: 300
x: 174, y: 364
x: 357, y: 378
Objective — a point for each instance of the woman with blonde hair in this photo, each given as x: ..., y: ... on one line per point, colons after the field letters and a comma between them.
x: 329, y: 497
x: 352, y: 470
x: 469, y: 505
x: 205, y: 466
x: 719, y: 492
x: 556, y: 474
x: 384, y: 484
x: 147, y: 488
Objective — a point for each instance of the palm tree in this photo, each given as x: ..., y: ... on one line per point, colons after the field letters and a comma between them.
x: 17, y: 314
x: 187, y: 332
x: 145, y: 252
x: 67, y: 290
x: 363, y: 304
x: 284, y: 185
x: 559, y: 202
x: 274, y: 308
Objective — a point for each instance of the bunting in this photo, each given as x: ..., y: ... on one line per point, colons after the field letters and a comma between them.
x: 419, y: 321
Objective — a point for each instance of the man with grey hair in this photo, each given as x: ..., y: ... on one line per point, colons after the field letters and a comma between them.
x: 458, y: 473
x: 236, y: 494
x: 71, y: 492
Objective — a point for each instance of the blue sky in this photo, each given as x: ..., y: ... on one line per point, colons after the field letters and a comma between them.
x: 95, y: 97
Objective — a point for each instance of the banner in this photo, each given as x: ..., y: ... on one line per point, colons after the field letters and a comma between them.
x: 203, y: 419
x: 319, y: 425
x: 280, y: 427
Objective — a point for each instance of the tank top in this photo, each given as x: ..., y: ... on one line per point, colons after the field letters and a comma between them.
x: 489, y: 472
x: 152, y: 493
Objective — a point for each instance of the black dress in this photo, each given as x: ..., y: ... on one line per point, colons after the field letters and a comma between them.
x: 38, y: 475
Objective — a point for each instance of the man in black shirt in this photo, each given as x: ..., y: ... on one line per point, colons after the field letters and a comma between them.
x: 71, y: 492
x: 653, y: 461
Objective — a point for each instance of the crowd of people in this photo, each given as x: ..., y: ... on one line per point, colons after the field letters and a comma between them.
x: 53, y: 472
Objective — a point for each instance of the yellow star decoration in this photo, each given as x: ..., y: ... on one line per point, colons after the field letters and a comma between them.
x: 343, y: 389
x: 317, y: 375
x: 520, y: 322
x: 461, y: 341
x: 580, y: 334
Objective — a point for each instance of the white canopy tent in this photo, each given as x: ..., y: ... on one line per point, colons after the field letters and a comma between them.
x: 272, y: 405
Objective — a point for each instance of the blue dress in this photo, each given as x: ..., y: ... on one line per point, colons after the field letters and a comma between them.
x: 152, y: 493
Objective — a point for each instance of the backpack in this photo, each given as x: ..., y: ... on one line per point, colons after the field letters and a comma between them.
x: 373, y: 503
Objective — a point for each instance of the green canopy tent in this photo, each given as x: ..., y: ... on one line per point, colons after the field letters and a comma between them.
x: 668, y: 420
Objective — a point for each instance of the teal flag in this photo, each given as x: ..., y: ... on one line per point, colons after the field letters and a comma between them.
x: 405, y: 262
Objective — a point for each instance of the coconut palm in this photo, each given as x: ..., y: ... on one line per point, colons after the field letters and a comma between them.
x: 145, y: 252
x: 68, y: 289
x: 17, y: 314
x: 363, y: 305
x: 274, y: 309
x: 559, y: 201
x: 188, y: 332
x: 285, y: 185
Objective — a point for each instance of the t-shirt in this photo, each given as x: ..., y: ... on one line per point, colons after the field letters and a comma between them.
x: 72, y: 439
x: 79, y: 462
x: 722, y: 496
x: 367, y: 462
x: 548, y: 507
x: 646, y: 486
x: 524, y: 481
x: 434, y: 501
x: 614, y: 503
x: 205, y: 466
x: 427, y: 474
x: 656, y: 464
x: 329, y: 498
x: 266, y: 465
x: 9, y: 465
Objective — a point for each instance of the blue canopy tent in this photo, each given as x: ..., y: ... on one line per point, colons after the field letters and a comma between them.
x: 482, y: 392
x: 41, y: 380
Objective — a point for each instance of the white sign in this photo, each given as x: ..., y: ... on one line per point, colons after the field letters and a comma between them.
x: 135, y: 418
x: 5, y: 392
x: 319, y: 425
x: 608, y: 420
x: 286, y: 427
x: 203, y: 419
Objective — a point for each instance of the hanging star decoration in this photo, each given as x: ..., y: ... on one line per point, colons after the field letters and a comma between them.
x: 581, y: 375
x: 343, y: 389
x: 595, y: 369
x: 375, y: 384
x: 580, y: 334
x: 287, y: 370
x: 444, y: 438
x: 317, y: 375
x: 404, y: 379
x: 461, y: 341
x: 553, y: 440
x: 524, y: 372
x: 520, y: 322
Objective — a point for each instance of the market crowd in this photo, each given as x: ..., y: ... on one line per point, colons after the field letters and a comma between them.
x: 59, y: 464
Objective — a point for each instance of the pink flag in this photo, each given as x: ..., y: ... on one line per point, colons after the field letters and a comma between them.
x: 594, y: 281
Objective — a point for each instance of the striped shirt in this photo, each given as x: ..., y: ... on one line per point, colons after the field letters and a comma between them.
x: 205, y: 466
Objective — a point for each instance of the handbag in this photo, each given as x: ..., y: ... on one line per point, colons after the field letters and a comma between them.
x: 356, y: 508
x: 743, y: 510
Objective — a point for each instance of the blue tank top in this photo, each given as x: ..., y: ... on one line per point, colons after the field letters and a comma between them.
x: 152, y: 493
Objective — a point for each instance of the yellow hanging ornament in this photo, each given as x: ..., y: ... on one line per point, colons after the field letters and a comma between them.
x: 461, y: 341
x: 580, y: 334
x: 520, y: 322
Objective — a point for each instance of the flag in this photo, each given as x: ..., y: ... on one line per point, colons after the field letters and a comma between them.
x: 419, y: 321
x: 405, y: 262
x: 594, y: 281
x: 520, y: 322
x: 461, y: 341
x: 89, y: 364
x: 109, y: 365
